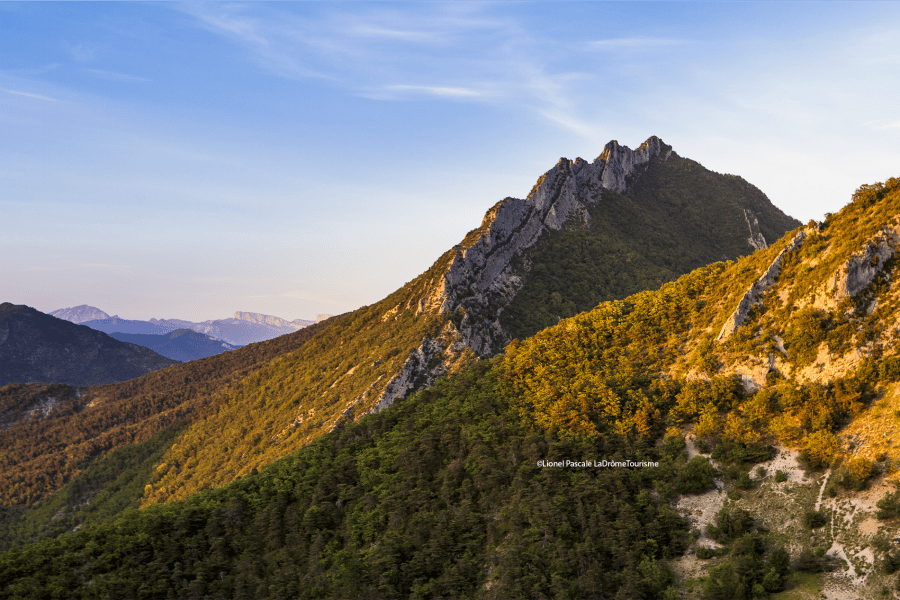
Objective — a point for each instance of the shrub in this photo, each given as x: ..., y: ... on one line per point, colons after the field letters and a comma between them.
x: 809, y: 562
x: 889, y: 506
x: 890, y: 564
x: 813, y: 519
x: 857, y: 474
x: 780, y: 476
x: 820, y: 448
x: 696, y: 476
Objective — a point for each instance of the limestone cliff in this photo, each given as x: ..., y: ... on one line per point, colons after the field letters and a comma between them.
x: 481, y: 280
x: 493, y: 263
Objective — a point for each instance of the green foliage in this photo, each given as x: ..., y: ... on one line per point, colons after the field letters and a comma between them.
x: 638, y: 242
x: 809, y: 328
x: 598, y: 372
x: 810, y: 561
x: 734, y: 452
x: 696, y: 477
x: 780, y: 476
x: 744, y: 482
x: 856, y: 474
x: 813, y: 519
x: 439, y: 496
x: 889, y: 506
x: 104, y: 490
x: 731, y: 523
x: 890, y: 563
x: 754, y: 567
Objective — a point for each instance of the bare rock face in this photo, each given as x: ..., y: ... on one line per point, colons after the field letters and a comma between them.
x: 759, y: 287
x: 433, y: 359
x: 480, y: 281
x: 756, y: 238
x: 485, y: 272
x: 861, y: 268
x: 619, y: 162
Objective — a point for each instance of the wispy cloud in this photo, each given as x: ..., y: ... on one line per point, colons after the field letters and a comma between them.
x: 882, y: 125
x: 114, y: 76
x: 635, y: 43
x: 83, y: 53
x: 396, y: 34
x: 29, y: 95
x: 279, y: 43
x: 124, y: 269
x: 435, y: 90
x: 482, y: 57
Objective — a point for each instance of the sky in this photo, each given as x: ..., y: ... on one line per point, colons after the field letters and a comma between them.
x: 191, y: 160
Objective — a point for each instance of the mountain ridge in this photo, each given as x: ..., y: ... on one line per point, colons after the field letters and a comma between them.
x: 365, y: 360
x: 39, y: 348
x: 623, y: 452
x: 447, y: 317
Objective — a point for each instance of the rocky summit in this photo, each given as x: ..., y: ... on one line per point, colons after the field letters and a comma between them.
x: 498, y: 285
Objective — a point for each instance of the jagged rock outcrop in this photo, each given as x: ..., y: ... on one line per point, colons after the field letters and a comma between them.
x: 480, y: 277
x: 860, y: 270
x: 756, y: 238
x: 759, y: 287
x: 434, y: 358
x: 480, y: 281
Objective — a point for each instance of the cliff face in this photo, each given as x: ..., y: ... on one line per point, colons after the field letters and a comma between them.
x: 493, y: 264
x: 481, y: 280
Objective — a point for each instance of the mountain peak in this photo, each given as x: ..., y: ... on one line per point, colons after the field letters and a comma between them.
x: 79, y: 314
x: 620, y: 161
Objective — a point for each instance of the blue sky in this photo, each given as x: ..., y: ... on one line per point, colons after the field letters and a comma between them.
x: 191, y: 160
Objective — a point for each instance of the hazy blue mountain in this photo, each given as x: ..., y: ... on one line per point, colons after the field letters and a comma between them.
x: 80, y: 314
x: 118, y: 325
x: 182, y: 344
x: 243, y: 328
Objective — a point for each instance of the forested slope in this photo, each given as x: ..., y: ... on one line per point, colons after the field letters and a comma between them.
x: 443, y: 495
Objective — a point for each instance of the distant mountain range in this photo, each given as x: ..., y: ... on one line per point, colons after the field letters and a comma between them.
x: 244, y: 328
x: 79, y: 314
x: 182, y: 344
x: 35, y: 347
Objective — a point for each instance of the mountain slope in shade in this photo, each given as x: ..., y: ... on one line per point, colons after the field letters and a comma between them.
x: 35, y: 347
x: 50, y: 433
x: 182, y: 344
x: 79, y: 314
